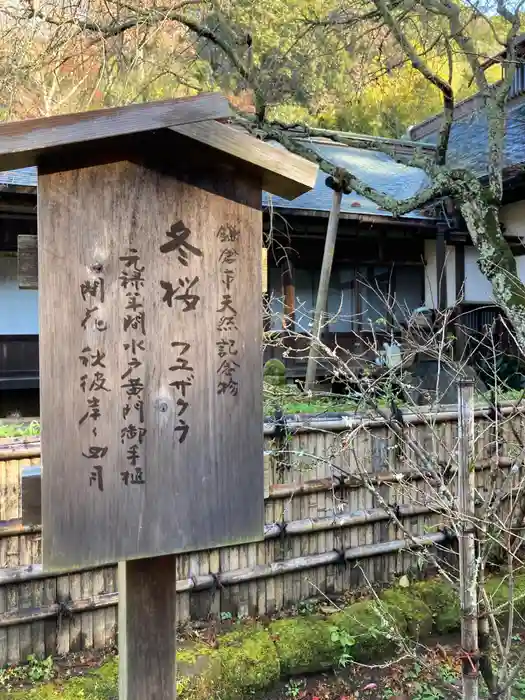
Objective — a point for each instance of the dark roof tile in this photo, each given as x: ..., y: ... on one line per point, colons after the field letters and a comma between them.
x: 468, y: 146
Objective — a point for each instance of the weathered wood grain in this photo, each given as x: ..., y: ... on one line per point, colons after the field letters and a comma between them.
x: 147, y: 626
x: 23, y: 143
x: 3, y: 631
x: 92, y: 218
x: 264, y: 270
x: 27, y: 262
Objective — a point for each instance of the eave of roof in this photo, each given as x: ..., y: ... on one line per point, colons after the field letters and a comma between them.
x: 371, y: 164
x: 68, y: 141
x: 468, y: 144
x: 374, y: 167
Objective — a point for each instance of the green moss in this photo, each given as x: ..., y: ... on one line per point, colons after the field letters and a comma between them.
x: 304, y: 644
x: 417, y: 614
x: 245, y: 662
x: 443, y: 602
x: 101, y: 684
x: 9, y: 430
x: 192, y: 660
x: 371, y: 631
x: 274, y: 368
x: 274, y: 373
x: 252, y: 658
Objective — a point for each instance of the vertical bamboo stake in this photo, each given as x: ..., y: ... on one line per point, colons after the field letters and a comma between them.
x: 324, y: 284
x: 466, y: 541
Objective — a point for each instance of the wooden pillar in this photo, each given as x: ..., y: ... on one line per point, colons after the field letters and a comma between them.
x: 146, y: 629
x: 441, y: 268
x: 460, y: 344
x: 391, y: 296
x: 288, y: 281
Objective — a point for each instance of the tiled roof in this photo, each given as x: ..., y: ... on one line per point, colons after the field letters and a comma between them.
x: 25, y: 177
x: 376, y: 169
x: 468, y: 146
x: 373, y: 167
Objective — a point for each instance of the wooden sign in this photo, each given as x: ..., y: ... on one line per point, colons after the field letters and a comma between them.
x: 150, y: 349
x: 150, y: 364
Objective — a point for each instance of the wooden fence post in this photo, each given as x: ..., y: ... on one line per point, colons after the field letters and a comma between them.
x: 466, y: 541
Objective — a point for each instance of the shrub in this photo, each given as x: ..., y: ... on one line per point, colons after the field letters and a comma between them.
x: 304, y: 645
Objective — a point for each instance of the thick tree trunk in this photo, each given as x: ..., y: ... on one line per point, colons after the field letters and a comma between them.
x: 496, y: 261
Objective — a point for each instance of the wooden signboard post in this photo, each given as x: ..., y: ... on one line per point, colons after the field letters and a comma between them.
x: 149, y: 276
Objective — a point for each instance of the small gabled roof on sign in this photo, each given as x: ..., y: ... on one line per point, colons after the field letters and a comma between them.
x: 283, y: 173
x: 27, y: 143
x: 23, y: 142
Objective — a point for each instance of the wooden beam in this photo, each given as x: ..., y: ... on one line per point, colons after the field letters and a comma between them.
x: 23, y: 143
x: 147, y: 628
x: 283, y: 173
x: 27, y: 262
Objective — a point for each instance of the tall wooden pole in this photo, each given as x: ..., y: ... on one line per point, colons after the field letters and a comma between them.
x: 467, y: 542
x: 324, y: 285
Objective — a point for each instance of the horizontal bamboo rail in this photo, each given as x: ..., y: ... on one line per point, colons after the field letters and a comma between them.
x: 25, y: 448
x: 28, y: 453
x: 222, y: 579
x: 98, y: 602
x: 283, y: 491
x: 306, y: 542
x: 18, y: 530
x: 354, y: 481
x: 339, y: 422
x: 271, y: 531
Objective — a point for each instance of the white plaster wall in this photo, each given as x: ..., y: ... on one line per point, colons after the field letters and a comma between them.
x: 18, y: 307
x: 430, y: 275
x: 512, y: 216
x: 431, y: 289
x: 477, y: 287
x: 520, y: 264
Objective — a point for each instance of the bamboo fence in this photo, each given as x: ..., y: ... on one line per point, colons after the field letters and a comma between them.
x: 325, y: 534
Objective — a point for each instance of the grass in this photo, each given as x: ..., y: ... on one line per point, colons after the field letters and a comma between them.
x: 320, y: 406
x: 291, y: 403
x: 11, y: 430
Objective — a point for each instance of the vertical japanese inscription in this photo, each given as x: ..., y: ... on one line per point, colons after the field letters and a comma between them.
x: 181, y: 294
x: 93, y: 381
x: 227, y: 326
x: 132, y: 431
